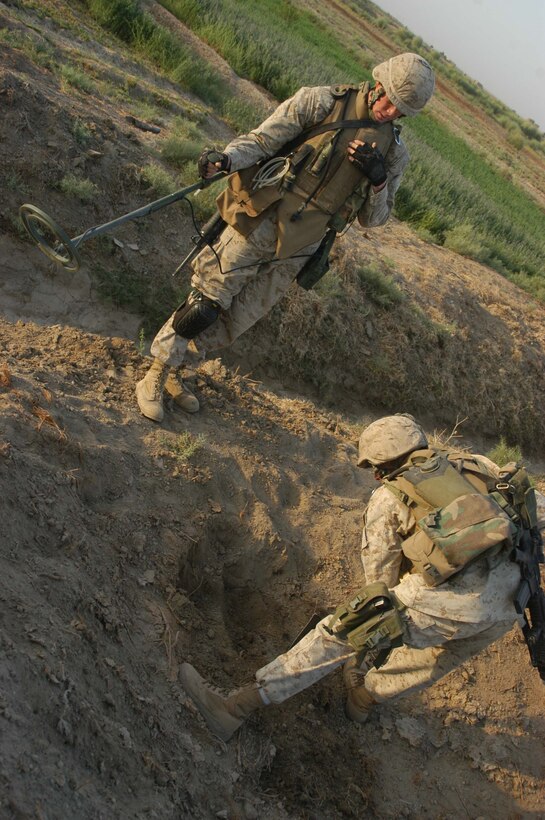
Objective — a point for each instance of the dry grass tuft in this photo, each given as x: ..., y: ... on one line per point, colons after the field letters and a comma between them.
x: 5, y: 377
x: 45, y: 417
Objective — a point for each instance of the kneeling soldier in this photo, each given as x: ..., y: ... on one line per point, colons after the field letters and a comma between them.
x: 441, y: 541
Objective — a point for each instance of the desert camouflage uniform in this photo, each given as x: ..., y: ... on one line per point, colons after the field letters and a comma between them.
x: 249, y: 293
x: 443, y: 625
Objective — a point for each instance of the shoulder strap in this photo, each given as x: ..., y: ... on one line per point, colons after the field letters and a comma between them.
x: 407, y: 495
x: 309, y: 133
x: 431, y: 479
x: 316, y: 130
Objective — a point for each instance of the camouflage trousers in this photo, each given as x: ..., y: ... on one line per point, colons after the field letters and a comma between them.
x: 428, y: 655
x: 234, y: 274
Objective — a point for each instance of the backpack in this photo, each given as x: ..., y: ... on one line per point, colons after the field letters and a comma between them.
x: 459, y: 508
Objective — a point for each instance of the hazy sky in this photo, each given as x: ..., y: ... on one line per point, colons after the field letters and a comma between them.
x: 500, y: 43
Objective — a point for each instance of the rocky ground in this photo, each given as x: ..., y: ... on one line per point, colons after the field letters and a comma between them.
x: 128, y: 548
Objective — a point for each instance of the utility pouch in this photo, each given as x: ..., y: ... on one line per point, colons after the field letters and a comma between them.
x: 318, y: 264
x: 296, y: 162
x: 371, y: 623
x: 320, y: 161
x: 451, y: 537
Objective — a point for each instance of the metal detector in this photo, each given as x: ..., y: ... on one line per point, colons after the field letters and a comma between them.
x: 52, y: 240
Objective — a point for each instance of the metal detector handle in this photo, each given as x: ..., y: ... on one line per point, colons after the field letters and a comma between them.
x: 207, y: 235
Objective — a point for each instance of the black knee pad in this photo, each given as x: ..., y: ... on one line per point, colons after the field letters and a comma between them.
x: 196, y: 314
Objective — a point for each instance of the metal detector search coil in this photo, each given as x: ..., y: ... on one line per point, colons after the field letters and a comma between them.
x: 50, y: 237
x: 53, y: 241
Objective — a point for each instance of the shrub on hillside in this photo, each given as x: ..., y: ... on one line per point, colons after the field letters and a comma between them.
x: 158, y: 179
x: 502, y: 453
x: 82, y: 189
x: 179, y: 151
x: 379, y: 287
x: 463, y: 239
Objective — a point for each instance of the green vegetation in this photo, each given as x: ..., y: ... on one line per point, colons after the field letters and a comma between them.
x: 70, y: 75
x: 158, y: 179
x: 147, y: 111
x: 82, y: 189
x: 135, y: 290
x: 82, y: 133
x: 241, y: 116
x: 204, y: 202
x: 502, y: 453
x: 379, y: 287
x: 455, y: 195
x: 141, y: 346
x: 126, y: 20
x: 161, y: 182
x: 16, y: 224
x: 14, y: 181
x: 178, y: 151
x: 364, y: 285
x: 271, y: 42
x: 36, y: 49
x: 182, y: 446
x: 184, y: 145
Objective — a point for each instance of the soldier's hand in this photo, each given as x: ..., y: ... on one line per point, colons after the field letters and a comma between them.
x: 212, y: 161
x: 368, y: 159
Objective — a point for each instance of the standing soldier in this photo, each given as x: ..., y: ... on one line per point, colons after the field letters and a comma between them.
x: 326, y: 157
x: 450, y: 552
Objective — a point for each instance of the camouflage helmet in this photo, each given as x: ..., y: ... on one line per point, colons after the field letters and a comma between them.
x: 408, y: 81
x: 390, y: 438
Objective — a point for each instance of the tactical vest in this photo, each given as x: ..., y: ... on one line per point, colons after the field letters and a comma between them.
x: 313, y: 195
x: 459, y: 509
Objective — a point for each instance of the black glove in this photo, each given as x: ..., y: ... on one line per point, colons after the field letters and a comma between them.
x: 371, y: 163
x: 211, y: 156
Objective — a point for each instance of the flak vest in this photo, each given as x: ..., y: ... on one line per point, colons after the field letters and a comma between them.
x: 314, y: 193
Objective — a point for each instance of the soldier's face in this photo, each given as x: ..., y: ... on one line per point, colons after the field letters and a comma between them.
x: 384, y: 110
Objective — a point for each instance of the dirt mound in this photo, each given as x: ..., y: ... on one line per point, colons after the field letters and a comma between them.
x: 127, y: 554
x: 454, y: 340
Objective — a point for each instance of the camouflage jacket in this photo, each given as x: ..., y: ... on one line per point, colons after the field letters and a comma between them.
x: 308, y: 107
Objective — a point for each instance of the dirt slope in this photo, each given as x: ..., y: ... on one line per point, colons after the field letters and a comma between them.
x: 124, y: 557
x: 124, y: 554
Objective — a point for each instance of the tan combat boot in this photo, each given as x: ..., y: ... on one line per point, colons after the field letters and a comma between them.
x: 358, y: 700
x: 181, y: 394
x: 149, y: 391
x: 223, y: 716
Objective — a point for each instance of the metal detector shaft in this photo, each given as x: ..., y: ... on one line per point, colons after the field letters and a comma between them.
x: 54, y: 242
x: 146, y: 210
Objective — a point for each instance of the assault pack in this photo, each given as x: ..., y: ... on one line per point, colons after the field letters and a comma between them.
x: 462, y: 510
x: 459, y: 512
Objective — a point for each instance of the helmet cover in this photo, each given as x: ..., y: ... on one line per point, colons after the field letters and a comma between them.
x: 390, y: 438
x: 408, y: 81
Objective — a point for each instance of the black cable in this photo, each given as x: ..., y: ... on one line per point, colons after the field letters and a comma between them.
x: 241, y: 267
x: 198, y: 229
x: 270, y: 261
